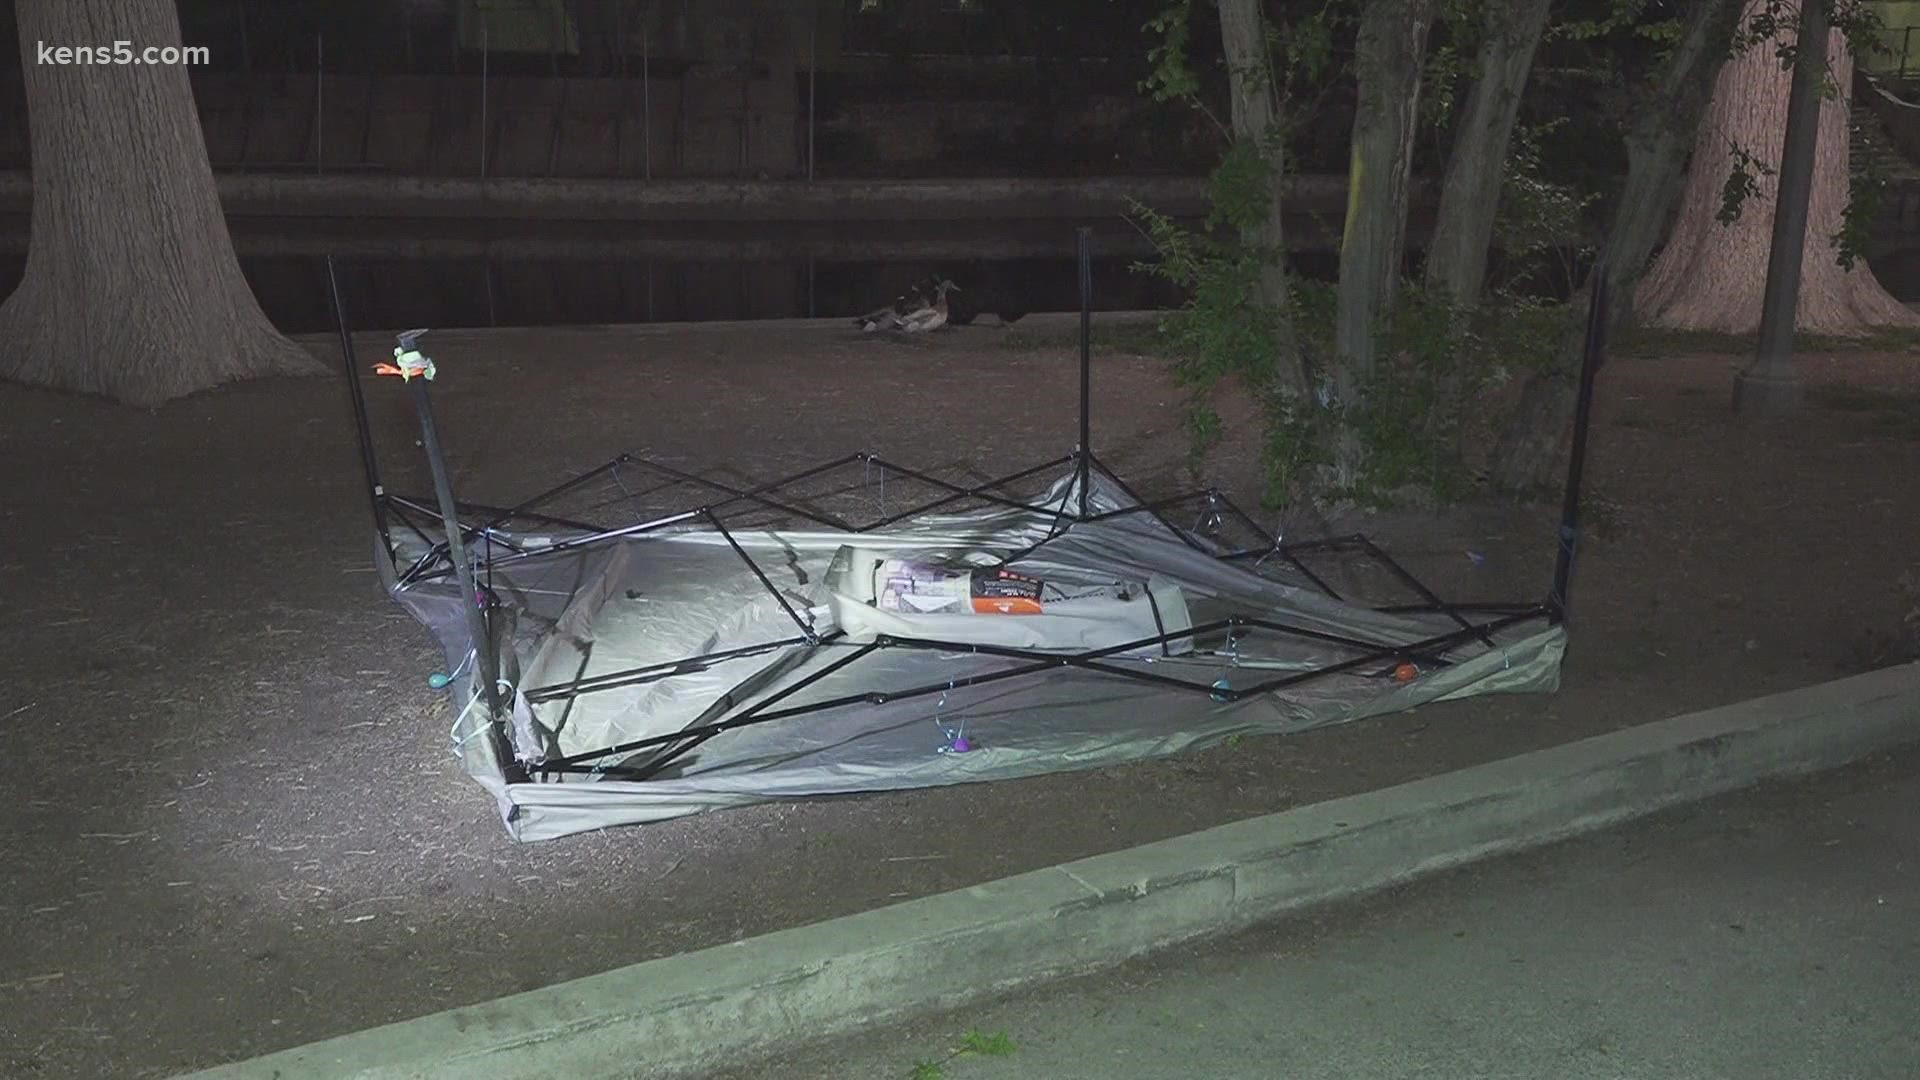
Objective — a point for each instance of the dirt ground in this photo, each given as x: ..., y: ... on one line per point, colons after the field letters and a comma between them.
x: 233, y: 825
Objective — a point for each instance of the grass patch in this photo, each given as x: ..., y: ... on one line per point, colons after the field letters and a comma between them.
x: 975, y: 1043
x: 1145, y: 339
x: 1892, y: 412
x: 1650, y: 342
x: 997, y: 1044
x: 1844, y: 398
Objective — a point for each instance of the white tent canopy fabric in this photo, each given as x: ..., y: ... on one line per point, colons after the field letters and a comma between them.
x: 691, y: 667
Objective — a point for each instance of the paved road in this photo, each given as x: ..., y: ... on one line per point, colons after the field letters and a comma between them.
x: 1771, y: 934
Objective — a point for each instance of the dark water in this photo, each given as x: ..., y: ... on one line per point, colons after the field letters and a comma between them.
x: 544, y: 274
x: 558, y: 273
x: 444, y: 292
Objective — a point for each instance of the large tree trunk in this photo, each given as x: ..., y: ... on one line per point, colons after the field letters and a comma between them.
x: 1388, y: 59
x: 1456, y: 263
x: 131, y: 287
x: 1711, y: 276
x: 1667, y: 125
x: 1255, y: 120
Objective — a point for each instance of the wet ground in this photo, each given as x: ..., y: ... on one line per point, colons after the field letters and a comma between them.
x: 236, y: 826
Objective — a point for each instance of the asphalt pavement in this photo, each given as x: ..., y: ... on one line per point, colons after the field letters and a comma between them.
x: 1774, y: 933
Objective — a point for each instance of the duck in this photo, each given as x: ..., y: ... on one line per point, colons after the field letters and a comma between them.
x: 918, y: 297
x: 933, y: 316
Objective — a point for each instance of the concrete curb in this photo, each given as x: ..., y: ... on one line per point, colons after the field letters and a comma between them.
x: 681, y: 1013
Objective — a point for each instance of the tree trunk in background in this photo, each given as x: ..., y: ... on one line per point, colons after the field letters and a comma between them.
x: 131, y: 287
x: 1255, y: 118
x: 1456, y: 265
x: 1388, y: 59
x: 1529, y: 448
x: 1711, y: 276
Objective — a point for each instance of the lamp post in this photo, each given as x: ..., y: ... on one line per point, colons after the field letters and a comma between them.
x: 1769, y: 386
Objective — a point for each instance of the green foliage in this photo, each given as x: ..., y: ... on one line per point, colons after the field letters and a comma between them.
x: 1299, y: 53
x: 1417, y: 416
x: 1619, y: 44
x: 1776, y: 22
x: 1228, y: 328
x: 995, y: 1044
x: 1769, y: 21
x: 975, y: 1043
x: 1866, y: 189
x: 1622, y: 15
x: 1537, y: 214
x: 1445, y: 70
x: 1665, y: 33
x: 1307, y: 45
x: 1450, y: 58
x: 1172, y: 77
x: 1240, y: 191
x: 1414, y: 419
x: 1742, y: 182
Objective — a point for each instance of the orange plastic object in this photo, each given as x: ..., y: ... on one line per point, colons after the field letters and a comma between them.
x: 1005, y: 605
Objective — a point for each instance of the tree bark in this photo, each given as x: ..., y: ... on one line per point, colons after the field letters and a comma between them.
x: 1668, y: 123
x: 1255, y: 121
x: 131, y: 287
x: 1456, y: 264
x: 1712, y: 276
x: 1388, y: 58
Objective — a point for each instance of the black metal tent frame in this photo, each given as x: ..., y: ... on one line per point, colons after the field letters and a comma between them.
x: 467, y: 550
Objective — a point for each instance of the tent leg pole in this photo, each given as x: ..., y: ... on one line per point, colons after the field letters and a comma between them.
x: 1593, y: 351
x: 1084, y: 242
x: 376, y: 495
x: 486, y: 666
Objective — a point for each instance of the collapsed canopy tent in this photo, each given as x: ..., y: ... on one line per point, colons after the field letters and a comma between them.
x: 761, y: 646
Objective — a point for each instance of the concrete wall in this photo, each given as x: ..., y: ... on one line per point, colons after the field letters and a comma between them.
x: 437, y: 126
x: 699, y: 124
